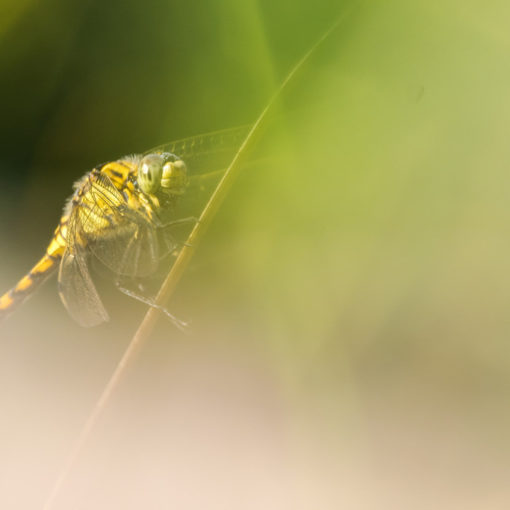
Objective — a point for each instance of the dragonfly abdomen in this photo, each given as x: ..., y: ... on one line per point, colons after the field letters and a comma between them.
x: 36, y: 276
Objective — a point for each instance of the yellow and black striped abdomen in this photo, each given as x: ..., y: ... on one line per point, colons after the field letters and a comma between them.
x: 37, y: 275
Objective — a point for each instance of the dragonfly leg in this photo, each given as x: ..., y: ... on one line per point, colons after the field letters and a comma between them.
x: 181, y: 325
x: 181, y: 221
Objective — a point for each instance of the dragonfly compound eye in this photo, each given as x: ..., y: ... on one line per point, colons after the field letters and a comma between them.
x: 150, y: 173
x: 174, y: 178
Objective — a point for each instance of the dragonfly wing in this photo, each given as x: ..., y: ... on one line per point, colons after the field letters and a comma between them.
x: 134, y: 252
x: 207, y: 152
x: 77, y: 290
x: 123, y: 239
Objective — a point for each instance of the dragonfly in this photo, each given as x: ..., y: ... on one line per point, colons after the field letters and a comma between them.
x: 123, y: 213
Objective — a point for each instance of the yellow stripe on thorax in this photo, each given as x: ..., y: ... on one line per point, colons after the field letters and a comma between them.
x: 117, y: 172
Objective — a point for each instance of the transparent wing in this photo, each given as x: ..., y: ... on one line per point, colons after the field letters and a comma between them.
x: 76, y: 288
x: 206, y: 156
x: 207, y: 152
x: 123, y: 239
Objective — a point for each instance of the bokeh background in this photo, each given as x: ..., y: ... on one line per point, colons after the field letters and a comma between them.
x: 349, y: 345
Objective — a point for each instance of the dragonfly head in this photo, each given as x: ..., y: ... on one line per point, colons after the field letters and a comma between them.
x: 162, y: 172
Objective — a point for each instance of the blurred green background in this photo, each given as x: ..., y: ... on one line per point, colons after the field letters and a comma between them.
x: 349, y: 345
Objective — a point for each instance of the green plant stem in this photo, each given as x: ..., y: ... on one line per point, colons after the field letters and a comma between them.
x: 147, y: 325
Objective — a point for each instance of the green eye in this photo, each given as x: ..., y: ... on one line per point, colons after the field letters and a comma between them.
x: 150, y: 172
